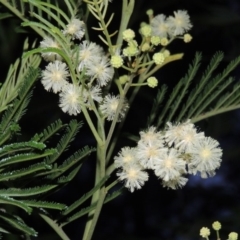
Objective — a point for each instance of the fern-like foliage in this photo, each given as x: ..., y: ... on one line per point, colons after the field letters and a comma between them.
x: 27, y: 172
x: 16, y: 76
x: 49, y: 131
x: 14, y: 112
x: 211, y: 95
x: 48, y: 10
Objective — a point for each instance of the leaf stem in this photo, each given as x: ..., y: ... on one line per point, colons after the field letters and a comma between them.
x: 213, y: 113
x: 55, y: 227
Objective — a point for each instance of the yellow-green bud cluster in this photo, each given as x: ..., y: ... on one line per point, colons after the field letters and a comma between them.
x: 146, y: 30
x: 166, y: 53
x: 145, y: 47
x: 132, y: 49
x: 233, y: 236
x: 187, y: 38
x: 158, y: 58
x: 116, y: 61
x: 155, y: 40
x: 152, y: 82
x: 149, y: 12
x: 164, y: 41
x: 216, y: 226
x: 128, y: 35
x: 204, y: 232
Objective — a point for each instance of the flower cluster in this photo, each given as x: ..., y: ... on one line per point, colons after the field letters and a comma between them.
x: 156, y: 36
x: 92, y: 70
x: 172, y: 153
x: 205, y: 232
x: 172, y: 26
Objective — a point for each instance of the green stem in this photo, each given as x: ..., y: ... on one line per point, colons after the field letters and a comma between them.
x: 91, y: 125
x: 96, y: 215
x: 114, y: 122
x: 127, y: 10
x: 213, y: 113
x: 103, y: 25
x: 111, y: 185
x: 98, y: 196
x: 55, y: 227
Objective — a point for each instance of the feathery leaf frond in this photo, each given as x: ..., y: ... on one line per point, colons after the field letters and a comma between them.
x: 44, y: 204
x: 17, y: 223
x: 49, y: 131
x: 11, y: 201
x: 12, y: 114
x: 66, y: 139
x: 19, y: 192
x: 209, y: 91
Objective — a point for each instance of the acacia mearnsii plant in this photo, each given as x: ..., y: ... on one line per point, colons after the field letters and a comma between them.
x: 97, y: 84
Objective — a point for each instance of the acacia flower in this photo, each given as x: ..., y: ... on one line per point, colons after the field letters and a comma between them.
x: 70, y: 99
x: 54, y: 76
x: 160, y: 27
x: 75, y: 28
x: 169, y: 165
x: 180, y: 23
x: 101, y: 70
x: 189, y: 137
x: 206, y: 156
x: 149, y: 153
x: 89, y: 54
x: 94, y: 93
x: 175, y: 183
x: 110, y: 105
x: 151, y: 136
x: 175, y: 132
x: 125, y: 158
x: 133, y: 176
x: 48, y: 42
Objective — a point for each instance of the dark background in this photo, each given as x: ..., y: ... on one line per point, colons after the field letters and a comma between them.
x: 154, y: 212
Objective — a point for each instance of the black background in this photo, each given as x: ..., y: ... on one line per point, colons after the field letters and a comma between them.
x: 153, y: 212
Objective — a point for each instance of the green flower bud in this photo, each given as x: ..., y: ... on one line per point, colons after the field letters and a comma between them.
x: 216, y: 225
x: 145, y: 47
x: 123, y: 79
x: 149, y: 12
x: 204, y: 232
x: 152, y: 82
x: 128, y: 34
x: 187, y: 38
x: 155, y: 40
x: 164, y: 41
x: 158, y: 58
x: 116, y: 61
x: 233, y: 236
x: 146, y: 31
